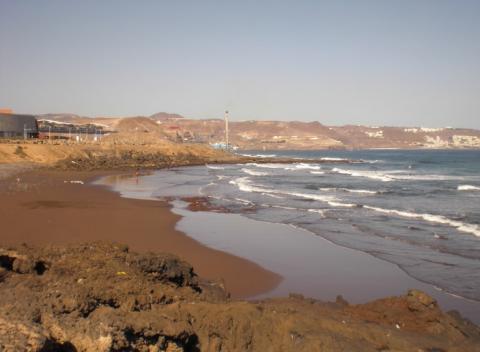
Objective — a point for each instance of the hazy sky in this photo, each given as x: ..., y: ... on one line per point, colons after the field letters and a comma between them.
x: 379, y: 62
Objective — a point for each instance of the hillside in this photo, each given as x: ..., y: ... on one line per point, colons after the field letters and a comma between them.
x: 284, y: 135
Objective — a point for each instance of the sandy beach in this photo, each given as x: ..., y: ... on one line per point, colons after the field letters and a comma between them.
x: 43, y: 207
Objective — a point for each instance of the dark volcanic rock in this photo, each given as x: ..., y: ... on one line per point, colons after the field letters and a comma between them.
x: 102, y: 297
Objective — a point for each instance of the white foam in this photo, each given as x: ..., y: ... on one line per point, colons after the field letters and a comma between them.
x: 333, y: 159
x: 254, y: 173
x: 312, y: 196
x: 332, y: 201
x: 317, y: 172
x: 214, y: 167
x: 394, y: 175
x: 363, y: 191
x: 268, y: 165
x: 243, y: 201
x: 425, y: 177
x: 280, y: 207
x: 290, y: 167
x: 368, y: 174
x: 319, y: 211
x: 303, y: 166
x: 342, y: 205
x: 439, y: 219
x: 272, y: 195
x: 244, y: 185
x: 468, y: 188
x: 260, y: 155
x: 371, y: 161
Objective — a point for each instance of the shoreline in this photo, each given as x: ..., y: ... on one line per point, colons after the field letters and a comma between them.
x: 360, y: 278
x: 49, y: 193
x: 77, y: 293
x: 373, y: 277
x: 45, y: 208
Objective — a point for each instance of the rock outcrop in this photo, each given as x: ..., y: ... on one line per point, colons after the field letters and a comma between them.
x: 102, y: 297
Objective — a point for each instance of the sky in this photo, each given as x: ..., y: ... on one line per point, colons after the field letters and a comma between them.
x: 384, y: 62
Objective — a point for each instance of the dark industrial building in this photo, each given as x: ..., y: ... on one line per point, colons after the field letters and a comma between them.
x: 18, y: 126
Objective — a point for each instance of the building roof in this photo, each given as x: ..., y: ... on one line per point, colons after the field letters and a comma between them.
x: 18, y: 123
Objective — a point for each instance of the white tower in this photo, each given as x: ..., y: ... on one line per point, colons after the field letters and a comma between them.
x: 226, y: 130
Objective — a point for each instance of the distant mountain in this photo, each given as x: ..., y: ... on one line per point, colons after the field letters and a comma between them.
x: 282, y: 135
x: 162, y: 116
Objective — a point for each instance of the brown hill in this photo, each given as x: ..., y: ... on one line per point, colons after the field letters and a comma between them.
x: 162, y: 116
x: 275, y: 135
x: 137, y: 124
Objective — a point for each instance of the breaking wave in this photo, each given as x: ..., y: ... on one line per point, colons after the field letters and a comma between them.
x: 394, y: 175
x: 468, y: 188
x: 368, y: 174
x: 244, y: 184
x: 254, y: 173
x: 290, y: 167
x: 334, y: 159
x: 215, y: 167
x: 303, y: 166
x: 260, y: 155
x: 439, y: 219
x: 348, y: 190
x: 268, y: 165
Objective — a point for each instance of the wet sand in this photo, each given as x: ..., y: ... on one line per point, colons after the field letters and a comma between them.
x: 43, y: 209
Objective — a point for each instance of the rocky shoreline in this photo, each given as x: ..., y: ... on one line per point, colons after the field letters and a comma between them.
x: 118, y: 156
x: 103, y: 297
x: 129, y: 160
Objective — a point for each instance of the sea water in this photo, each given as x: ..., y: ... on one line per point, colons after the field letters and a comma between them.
x: 419, y: 209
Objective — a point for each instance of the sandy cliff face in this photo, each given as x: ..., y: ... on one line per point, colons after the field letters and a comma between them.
x: 102, y: 297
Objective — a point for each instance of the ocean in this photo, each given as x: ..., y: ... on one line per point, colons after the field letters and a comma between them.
x: 418, y: 210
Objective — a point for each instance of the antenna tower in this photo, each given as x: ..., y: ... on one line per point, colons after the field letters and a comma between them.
x: 226, y: 130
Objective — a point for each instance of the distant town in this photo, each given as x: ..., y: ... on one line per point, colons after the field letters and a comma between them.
x: 245, y: 135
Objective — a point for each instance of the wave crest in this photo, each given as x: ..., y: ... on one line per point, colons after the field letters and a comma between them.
x: 439, y: 219
x: 254, y: 173
x: 468, y: 188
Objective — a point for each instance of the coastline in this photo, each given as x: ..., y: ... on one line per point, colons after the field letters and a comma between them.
x: 45, y: 208
x: 326, y: 269
x: 94, y: 296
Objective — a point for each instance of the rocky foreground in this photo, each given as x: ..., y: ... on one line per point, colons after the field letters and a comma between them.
x: 130, y: 155
x: 102, y: 297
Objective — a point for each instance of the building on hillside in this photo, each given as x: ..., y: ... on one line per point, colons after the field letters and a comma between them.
x: 18, y: 126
